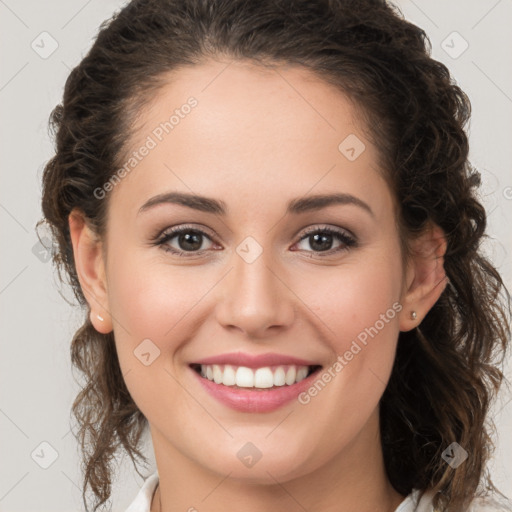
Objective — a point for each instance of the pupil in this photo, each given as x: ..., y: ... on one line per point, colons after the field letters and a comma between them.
x: 318, y: 239
x: 192, y: 238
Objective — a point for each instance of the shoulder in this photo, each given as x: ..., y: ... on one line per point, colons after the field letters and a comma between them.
x: 423, y: 502
x: 142, y: 502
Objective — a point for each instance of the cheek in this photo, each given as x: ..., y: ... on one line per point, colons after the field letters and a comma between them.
x: 149, y: 299
x: 357, y: 307
x: 352, y: 298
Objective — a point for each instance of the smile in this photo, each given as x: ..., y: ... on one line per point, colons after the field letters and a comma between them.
x: 254, y: 383
x: 266, y: 377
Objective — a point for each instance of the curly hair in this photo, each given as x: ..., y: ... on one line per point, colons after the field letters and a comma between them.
x: 447, y: 371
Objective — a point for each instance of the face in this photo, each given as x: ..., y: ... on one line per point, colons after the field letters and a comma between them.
x: 259, y: 280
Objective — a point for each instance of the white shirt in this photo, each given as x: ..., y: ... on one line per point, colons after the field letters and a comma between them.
x: 142, y: 502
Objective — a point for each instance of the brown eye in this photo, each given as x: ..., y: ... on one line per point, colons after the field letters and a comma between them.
x: 184, y: 240
x: 323, y: 239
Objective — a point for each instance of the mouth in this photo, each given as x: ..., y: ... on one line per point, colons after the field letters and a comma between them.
x: 264, y: 378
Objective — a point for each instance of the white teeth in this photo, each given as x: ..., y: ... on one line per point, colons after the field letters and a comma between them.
x: 279, y: 377
x: 302, y: 373
x: 229, y: 378
x: 261, y: 378
x: 217, y: 374
x: 290, y: 375
x: 244, y: 377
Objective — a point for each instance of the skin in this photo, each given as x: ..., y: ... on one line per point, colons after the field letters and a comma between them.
x: 255, y: 142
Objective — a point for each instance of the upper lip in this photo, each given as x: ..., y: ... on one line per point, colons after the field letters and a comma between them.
x: 255, y: 361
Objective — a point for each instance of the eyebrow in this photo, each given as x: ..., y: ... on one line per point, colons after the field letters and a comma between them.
x: 295, y: 206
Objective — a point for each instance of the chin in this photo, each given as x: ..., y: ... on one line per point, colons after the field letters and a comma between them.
x: 260, y: 463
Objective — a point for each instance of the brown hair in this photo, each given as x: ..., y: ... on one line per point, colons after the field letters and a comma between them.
x: 447, y: 370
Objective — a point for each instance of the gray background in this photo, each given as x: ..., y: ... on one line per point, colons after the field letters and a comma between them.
x: 37, y: 387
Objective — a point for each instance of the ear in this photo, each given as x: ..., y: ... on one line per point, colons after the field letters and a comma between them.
x: 425, y: 276
x: 90, y: 268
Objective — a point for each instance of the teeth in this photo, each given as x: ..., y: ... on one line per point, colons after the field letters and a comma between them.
x: 229, y: 378
x: 291, y: 374
x: 217, y: 374
x: 279, y: 377
x: 244, y: 377
x: 261, y: 378
x: 302, y: 373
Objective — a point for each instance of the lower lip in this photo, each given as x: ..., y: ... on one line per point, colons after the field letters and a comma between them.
x: 251, y: 400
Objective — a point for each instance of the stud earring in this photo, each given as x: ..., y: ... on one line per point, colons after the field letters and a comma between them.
x: 413, y: 315
x: 99, y: 318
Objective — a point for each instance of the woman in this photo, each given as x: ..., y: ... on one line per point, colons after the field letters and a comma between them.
x: 268, y: 213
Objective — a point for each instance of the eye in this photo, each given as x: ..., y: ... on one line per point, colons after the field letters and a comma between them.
x: 188, y: 241
x: 322, y: 239
x: 183, y: 240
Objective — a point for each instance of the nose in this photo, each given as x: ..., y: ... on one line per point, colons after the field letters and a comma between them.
x: 255, y: 298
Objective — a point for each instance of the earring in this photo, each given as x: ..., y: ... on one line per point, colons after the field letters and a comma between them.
x: 413, y: 315
x: 99, y: 318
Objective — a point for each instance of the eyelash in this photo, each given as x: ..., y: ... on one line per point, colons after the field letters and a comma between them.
x: 162, y: 239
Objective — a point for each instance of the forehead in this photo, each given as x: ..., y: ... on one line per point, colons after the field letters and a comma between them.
x: 235, y: 127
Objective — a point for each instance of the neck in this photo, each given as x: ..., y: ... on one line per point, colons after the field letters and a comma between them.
x: 354, y: 479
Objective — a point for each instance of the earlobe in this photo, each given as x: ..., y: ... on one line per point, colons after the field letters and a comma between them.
x: 90, y: 268
x: 426, y: 277
x: 103, y: 323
